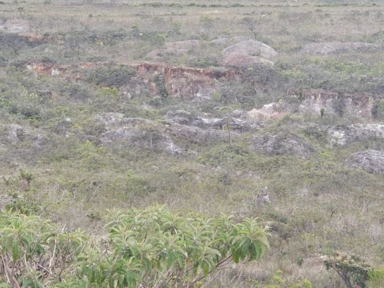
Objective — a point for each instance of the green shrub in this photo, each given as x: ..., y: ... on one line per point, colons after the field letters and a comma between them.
x: 235, y: 155
x: 26, y: 110
x: 146, y: 248
x: 74, y: 91
x: 237, y: 5
x: 23, y: 207
x: 111, y: 76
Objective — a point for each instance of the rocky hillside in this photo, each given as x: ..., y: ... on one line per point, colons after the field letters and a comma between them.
x: 201, y: 106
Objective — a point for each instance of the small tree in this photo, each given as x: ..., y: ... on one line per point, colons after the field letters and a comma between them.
x: 351, y: 269
x: 74, y: 40
x: 251, y: 25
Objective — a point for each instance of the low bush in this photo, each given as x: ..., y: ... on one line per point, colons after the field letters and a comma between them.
x: 111, y: 76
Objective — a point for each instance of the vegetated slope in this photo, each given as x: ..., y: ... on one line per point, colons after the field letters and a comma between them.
x: 239, y: 98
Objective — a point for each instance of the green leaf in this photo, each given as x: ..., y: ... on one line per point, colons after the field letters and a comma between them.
x: 258, y: 249
x: 15, y: 251
x: 235, y: 256
x: 205, y: 268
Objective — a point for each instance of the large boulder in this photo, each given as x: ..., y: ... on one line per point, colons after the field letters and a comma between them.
x: 371, y: 161
x: 225, y: 42
x: 330, y: 48
x: 242, y: 60
x: 279, y: 144
x: 247, y: 53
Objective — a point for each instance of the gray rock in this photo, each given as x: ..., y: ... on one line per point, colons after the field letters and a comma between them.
x: 247, y: 53
x: 181, y: 117
x: 113, y: 120
x: 280, y: 144
x: 20, y: 144
x: 343, y: 135
x: 371, y: 161
x: 337, y: 104
x: 151, y: 139
x: 186, y: 118
x: 14, y: 134
x: 198, y: 135
x: 228, y: 41
x: 122, y: 134
x: 251, y: 47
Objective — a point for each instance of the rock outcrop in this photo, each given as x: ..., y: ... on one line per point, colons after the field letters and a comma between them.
x: 268, y: 111
x: 343, y: 135
x: 236, y: 124
x: 12, y: 134
x: 279, y: 144
x: 157, y: 78
x: 198, y: 84
x: 144, y: 138
x: 20, y: 144
x: 247, y: 53
x: 181, y: 126
x: 199, y: 136
x: 194, y: 83
x: 113, y: 120
x: 371, y: 161
x: 184, y: 82
x: 315, y: 101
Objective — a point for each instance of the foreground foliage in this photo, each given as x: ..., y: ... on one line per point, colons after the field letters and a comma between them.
x: 150, y: 248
